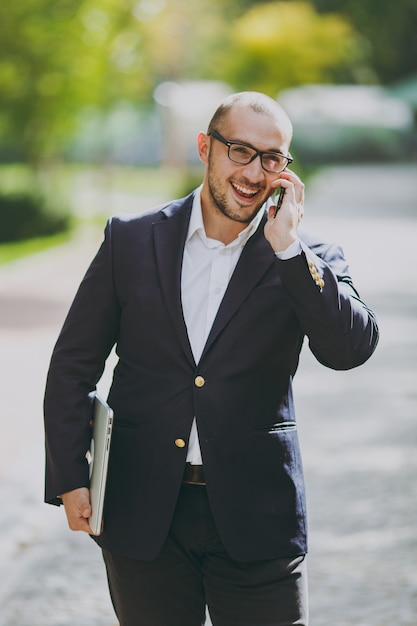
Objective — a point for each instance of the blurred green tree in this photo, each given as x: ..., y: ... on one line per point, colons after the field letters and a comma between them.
x: 58, y: 57
x: 390, y: 29
x: 277, y: 45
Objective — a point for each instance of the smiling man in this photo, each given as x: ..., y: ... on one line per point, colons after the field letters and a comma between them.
x: 208, y: 300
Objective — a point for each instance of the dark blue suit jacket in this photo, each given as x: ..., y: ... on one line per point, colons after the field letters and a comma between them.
x: 245, y: 414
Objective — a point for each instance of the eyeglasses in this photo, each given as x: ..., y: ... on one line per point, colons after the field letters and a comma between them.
x: 243, y: 153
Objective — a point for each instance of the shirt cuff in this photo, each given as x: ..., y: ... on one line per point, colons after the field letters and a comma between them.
x: 293, y: 250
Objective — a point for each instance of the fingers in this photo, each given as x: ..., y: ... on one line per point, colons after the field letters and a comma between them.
x: 281, y: 227
x: 78, y: 509
x: 272, y: 212
x: 294, y: 192
x: 293, y: 185
x: 287, y: 176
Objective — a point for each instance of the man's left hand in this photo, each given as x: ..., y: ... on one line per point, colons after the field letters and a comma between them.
x: 281, y: 231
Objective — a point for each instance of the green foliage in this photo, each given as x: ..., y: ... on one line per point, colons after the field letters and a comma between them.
x: 36, y: 69
x: 389, y: 29
x: 57, y: 57
x: 31, y: 203
x: 61, y: 57
x: 18, y: 249
x: 23, y: 216
x: 190, y: 180
x: 278, y: 45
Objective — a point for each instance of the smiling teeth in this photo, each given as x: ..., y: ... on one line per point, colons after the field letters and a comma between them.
x: 245, y: 189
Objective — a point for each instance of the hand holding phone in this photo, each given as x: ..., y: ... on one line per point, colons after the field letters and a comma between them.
x: 279, y: 198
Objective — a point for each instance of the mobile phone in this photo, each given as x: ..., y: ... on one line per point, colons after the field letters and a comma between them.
x: 278, y: 199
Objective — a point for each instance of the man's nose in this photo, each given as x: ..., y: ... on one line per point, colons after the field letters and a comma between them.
x: 254, y: 169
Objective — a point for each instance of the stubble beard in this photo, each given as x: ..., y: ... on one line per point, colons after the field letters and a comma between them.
x: 221, y: 203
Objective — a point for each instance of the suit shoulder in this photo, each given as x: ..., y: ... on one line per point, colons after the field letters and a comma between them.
x: 128, y: 220
x: 331, y: 253
x: 148, y: 217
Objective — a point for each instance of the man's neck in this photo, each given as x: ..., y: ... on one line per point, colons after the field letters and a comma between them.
x: 223, y: 228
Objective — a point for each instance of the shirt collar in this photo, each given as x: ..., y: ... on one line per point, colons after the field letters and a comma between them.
x: 196, y: 225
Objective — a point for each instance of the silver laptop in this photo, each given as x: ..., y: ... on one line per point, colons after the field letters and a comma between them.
x: 98, y: 457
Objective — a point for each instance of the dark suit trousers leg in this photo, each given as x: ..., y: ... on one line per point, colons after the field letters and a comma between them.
x: 193, y: 569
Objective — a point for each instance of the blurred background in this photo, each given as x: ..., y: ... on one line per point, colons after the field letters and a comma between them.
x: 100, y: 105
x: 105, y: 95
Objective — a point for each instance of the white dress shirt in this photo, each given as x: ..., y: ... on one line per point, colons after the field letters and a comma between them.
x: 207, y: 267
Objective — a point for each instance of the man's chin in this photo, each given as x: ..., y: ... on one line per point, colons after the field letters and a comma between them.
x: 242, y: 214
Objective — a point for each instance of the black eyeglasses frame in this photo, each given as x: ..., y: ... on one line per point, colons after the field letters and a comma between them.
x: 258, y: 153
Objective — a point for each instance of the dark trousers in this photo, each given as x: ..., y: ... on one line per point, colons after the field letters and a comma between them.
x: 193, y: 570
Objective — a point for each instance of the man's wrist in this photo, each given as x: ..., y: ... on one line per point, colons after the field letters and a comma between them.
x: 294, y: 249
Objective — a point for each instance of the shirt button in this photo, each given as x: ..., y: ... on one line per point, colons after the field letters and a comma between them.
x: 199, y: 381
x: 180, y: 443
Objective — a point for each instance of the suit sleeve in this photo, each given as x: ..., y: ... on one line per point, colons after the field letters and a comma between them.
x: 342, y: 331
x: 86, y: 339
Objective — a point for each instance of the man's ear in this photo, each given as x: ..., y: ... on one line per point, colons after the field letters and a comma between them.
x: 203, y: 143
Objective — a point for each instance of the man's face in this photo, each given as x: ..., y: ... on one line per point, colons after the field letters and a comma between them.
x: 234, y: 190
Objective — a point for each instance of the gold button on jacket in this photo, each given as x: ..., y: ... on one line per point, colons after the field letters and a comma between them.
x: 180, y: 443
x: 199, y: 381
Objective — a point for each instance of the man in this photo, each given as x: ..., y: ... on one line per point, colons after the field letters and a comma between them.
x: 208, y: 300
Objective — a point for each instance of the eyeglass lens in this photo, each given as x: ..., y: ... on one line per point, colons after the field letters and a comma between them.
x: 270, y: 161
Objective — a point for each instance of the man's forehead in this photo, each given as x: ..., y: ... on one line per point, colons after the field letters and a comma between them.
x: 246, y: 125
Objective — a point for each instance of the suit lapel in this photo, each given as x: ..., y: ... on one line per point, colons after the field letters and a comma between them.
x: 169, y: 238
x: 256, y: 258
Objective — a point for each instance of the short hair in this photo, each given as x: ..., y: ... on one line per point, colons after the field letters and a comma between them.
x: 258, y: 102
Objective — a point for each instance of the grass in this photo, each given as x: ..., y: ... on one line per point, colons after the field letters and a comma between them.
x: 12, y: 251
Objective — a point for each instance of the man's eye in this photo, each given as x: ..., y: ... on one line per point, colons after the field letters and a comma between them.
x: 271, y: 161
x: 242, y: 150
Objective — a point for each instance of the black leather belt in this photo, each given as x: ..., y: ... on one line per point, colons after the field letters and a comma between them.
x: 193, y: 475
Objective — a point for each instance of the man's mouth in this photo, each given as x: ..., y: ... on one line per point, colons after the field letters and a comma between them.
x: 245, y: 192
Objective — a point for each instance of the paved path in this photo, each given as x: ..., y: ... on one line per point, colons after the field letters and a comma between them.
x: 358, y: 429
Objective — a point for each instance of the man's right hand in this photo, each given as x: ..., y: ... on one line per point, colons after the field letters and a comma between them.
x: 78, y: 509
